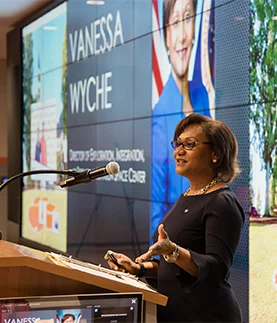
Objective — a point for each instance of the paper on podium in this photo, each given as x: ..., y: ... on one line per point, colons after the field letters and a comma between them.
x: 98, y: 270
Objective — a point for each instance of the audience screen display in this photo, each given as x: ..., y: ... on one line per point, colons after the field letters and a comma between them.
x: 96, y: 91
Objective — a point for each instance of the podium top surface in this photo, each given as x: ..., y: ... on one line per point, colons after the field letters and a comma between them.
x: 50, y: 273
x: 9, y: 250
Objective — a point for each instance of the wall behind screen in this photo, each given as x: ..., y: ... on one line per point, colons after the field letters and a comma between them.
x: 115, y: 214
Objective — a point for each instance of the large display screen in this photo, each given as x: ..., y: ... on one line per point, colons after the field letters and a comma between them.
x: 108, y: 81
x: 96, y: 90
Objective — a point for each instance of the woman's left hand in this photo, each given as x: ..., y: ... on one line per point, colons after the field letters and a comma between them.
x: 162, y: 247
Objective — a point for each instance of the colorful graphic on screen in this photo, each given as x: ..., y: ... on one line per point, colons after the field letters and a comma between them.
x: 44, y: 204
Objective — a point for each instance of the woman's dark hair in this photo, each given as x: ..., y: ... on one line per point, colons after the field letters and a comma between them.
x: 222, y: 139
x: 168, y: 6
x: 66, y: 316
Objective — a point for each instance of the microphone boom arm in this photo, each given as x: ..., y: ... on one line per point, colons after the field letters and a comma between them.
x: 68, y: 172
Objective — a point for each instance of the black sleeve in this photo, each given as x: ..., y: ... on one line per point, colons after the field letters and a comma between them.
x: 223, y: 221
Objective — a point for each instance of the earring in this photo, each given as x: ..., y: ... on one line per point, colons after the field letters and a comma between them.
x: 192, y: 42
x: 214, y: 161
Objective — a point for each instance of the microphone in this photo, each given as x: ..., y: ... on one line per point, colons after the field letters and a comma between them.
x: 90, y: 174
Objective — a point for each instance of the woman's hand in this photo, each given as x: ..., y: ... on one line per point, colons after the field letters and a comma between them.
x: 162, y: 247
x: 124, y: 263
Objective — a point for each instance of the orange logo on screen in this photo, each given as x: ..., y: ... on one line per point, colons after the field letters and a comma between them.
x: 42, y: 214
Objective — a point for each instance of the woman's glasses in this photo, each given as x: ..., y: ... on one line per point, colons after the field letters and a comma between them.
x: 187, y: 145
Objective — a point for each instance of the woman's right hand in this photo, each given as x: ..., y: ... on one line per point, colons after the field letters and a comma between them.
x: 124, y: 263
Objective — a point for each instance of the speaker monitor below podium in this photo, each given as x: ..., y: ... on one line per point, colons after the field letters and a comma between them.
x: 119, y: 307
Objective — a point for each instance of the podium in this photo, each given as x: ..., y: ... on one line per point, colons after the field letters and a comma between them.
x: 27, y: 272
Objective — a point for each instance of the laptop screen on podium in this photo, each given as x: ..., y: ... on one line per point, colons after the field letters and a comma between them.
x: 110, y: 308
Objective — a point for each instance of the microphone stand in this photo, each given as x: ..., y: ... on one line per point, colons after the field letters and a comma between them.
x: 68, y: 172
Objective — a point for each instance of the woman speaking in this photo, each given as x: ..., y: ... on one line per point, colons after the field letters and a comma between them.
x: 198, y: 237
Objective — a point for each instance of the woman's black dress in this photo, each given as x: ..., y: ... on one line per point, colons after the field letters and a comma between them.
x: 209, y: 226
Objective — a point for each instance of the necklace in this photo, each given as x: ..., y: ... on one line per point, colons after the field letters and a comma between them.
x: 206, y: 188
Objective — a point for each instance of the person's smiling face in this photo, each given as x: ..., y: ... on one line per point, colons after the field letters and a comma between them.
x: 179, y: 37
x: 197, y: 162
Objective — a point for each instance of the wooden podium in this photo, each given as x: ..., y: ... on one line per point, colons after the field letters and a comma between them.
x: 26, y: 272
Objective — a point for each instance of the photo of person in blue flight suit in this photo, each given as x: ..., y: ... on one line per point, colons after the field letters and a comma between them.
x: 188, y: 40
